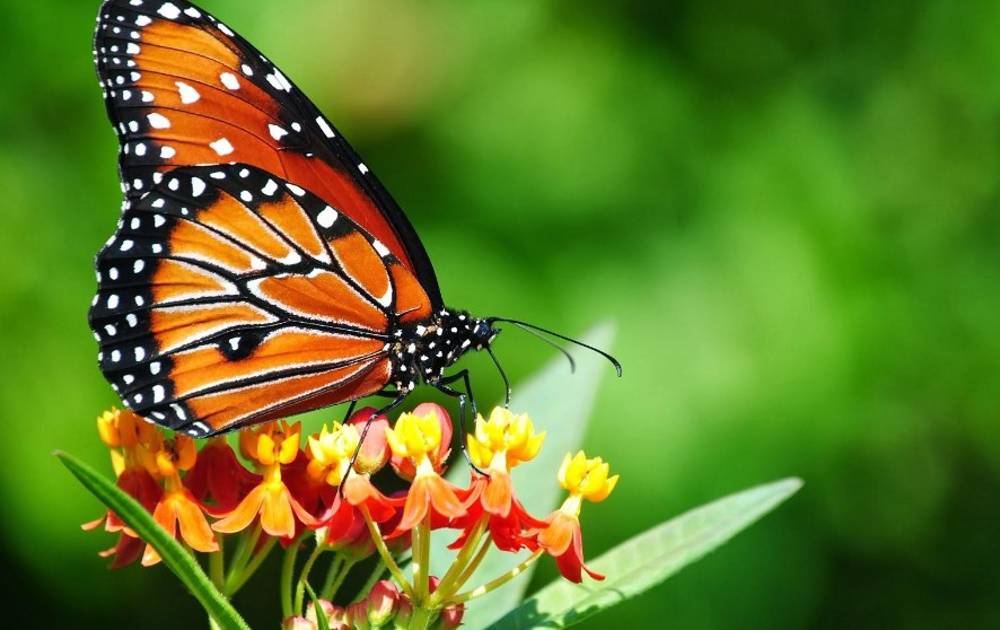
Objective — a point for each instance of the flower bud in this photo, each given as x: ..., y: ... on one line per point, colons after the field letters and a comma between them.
x: 382, y: 602
x: 357, y: 615
x: 450, y: 618
x: 404, y: 610
x: 374, y: 451
x: 298, y: 623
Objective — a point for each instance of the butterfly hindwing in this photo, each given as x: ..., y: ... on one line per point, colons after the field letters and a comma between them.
x: 183, y: 89
x: 229, y: 295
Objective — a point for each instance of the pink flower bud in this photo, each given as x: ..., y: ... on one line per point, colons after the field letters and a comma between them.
x: 382, y: 602
x: 451, y: 617
x: 298, y: 623
x: 357, y: 614
x: 375, y: 448
x: 403, y: 613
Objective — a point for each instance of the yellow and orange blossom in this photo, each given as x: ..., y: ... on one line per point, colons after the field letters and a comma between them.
x: 584, y: 479
x: 417, y: 439
x: 331, y: 452
x: 165, y: 459
x: 269, y: 445
x: 497, y: 446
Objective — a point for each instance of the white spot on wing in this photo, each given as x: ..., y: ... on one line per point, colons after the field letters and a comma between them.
x: 229, y: 80
x: 158, y: 121
x: 188, y: 94
x: 327, y: 217
x: 222, y: 146
x: 197, y: 186
x: 169, y: 11
x: 324, y: 127
x: 276, y: 132
x: 382, y: 250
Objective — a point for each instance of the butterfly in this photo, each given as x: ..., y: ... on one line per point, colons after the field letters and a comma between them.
x: 259, y: 268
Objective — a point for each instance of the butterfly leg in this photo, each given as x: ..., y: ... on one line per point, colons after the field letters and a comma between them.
x: 350, y: 411
x: 464, y: 398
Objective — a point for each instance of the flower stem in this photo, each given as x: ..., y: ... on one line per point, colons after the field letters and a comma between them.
x: 451, y: 580
x: 421, y: 560
x: 421, y: 618
x: 375, y: 576
x: 338, y: 581
x: 331, y: 576
x: 383, y: 552
x: 238, y: 565
x: 300, y: 588
x: 285, y: 584
x: 253, y: 565
x: 217, y: 566
x: 461, y: 598
x: 469, y: 570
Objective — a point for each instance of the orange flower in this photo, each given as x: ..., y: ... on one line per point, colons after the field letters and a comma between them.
x: 562, y: 538
x: 330, y: 453
x: 165, y: 460
x: 269, y: 445
x: 498, y: 445
x: 218, y: 476
x: 126, y: 435
x: 417, y: 443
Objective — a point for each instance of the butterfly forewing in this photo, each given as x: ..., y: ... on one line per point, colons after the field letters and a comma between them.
x: 229, y: 295
x: 183, y: 89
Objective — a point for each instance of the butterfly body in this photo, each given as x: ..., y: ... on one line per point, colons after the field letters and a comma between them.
x: 259, y: 268
x: 426, y: 349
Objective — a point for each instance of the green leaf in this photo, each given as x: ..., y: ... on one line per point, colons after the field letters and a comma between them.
x: 177, y: 559
x: 641, y: 563
x: 560, y: 403
x: 321, y: 620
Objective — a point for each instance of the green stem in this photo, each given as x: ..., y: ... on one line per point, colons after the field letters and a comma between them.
x: 450, y: 582
x: 421, y: 560
x: 331, y: 575
x: 383, y: 552
x: 238, y: 565
x: 300, y: 588
x: 217, y: 566
x: 285, y: 583
x: 341, y: 576
x: 375, y: 576
x: 252, y: 567
x: 471, y: 569
x: 421, y: 618
x: 492, y: 585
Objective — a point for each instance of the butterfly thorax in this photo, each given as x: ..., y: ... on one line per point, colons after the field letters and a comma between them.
x: 423, y: 351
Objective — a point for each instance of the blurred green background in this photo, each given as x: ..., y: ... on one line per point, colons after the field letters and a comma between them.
x: 790, y: 208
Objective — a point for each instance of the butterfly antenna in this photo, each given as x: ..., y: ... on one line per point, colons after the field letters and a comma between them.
x: 503, y: 375
x: 538, y: 329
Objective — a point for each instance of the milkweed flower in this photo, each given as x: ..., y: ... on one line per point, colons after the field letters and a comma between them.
x: 498, y: 445
x: 165, y: 459
x: 269, y: 445
x: 126, y: 435
x: 330, y: 452
x: 562, y: 538
x: 419, y: 444
x: 217, y: 479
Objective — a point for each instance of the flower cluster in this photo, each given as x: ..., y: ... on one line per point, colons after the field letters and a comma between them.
x: 324, y: 489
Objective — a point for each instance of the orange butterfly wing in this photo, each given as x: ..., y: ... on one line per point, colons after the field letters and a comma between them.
x: 183, y: 89
x: 230, y: 296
